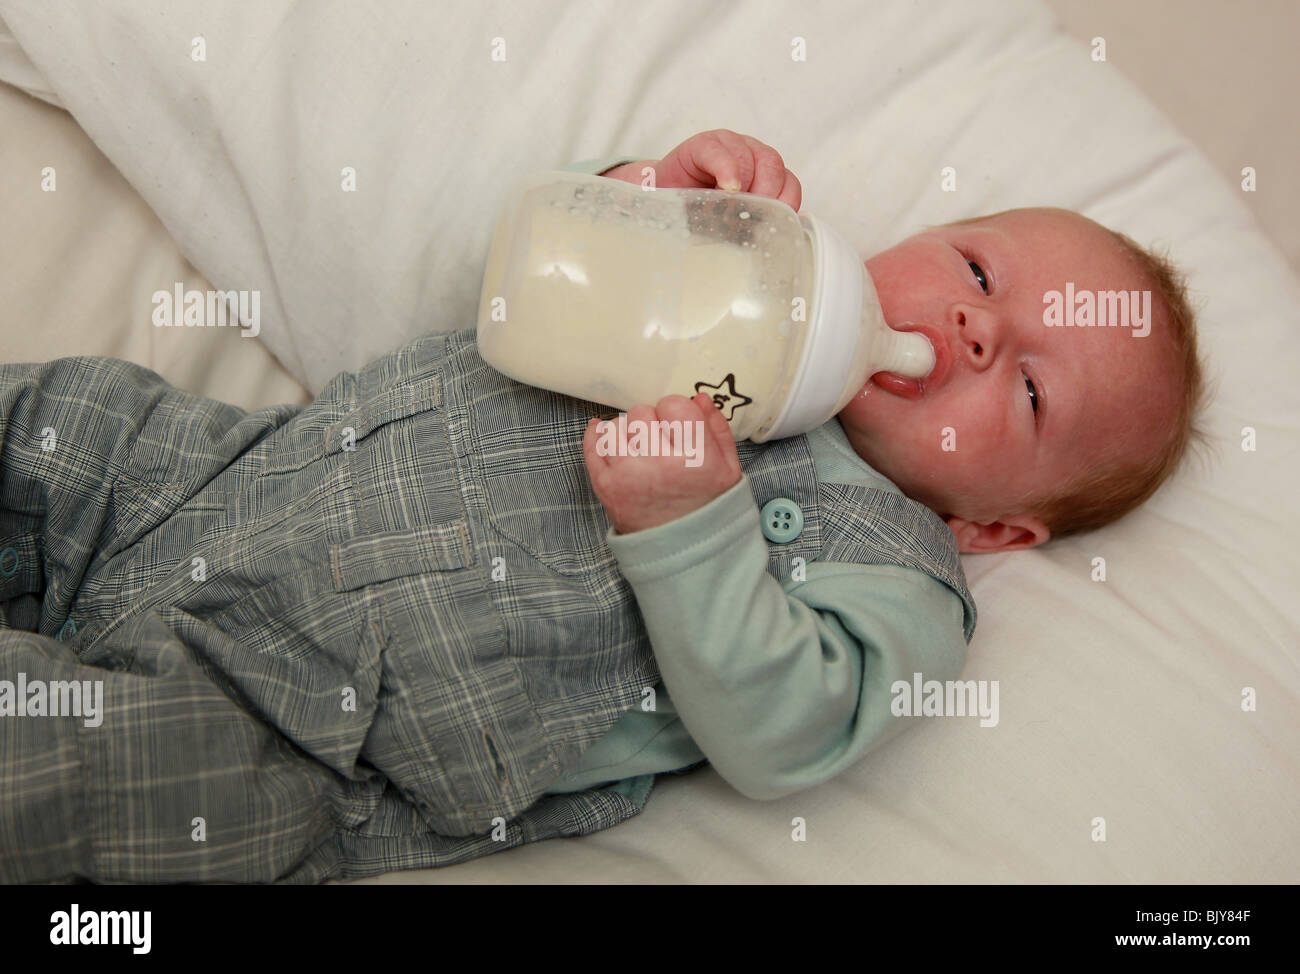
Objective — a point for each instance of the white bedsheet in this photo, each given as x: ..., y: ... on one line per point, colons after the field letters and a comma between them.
x: 1120, y: 700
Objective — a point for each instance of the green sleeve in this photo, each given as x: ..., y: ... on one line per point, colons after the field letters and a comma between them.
x: 782, y: 684
x: 598, y: 166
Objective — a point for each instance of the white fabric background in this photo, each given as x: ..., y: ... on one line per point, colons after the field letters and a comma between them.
x: 1119, y: 699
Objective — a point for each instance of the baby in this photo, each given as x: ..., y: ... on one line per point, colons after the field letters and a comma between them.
x: 423, y: 618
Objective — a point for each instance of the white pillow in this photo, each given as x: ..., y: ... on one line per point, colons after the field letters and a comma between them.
x: 437, y: 107
x: 17, y: 69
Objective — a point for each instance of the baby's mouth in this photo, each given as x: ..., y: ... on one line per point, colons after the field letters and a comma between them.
x: 898, y: 385
x: 901, y: 385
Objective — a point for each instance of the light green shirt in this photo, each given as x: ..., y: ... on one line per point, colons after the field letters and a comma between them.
x: 780, y: 685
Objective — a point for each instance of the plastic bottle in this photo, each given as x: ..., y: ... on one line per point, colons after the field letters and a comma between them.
x: 602, y: 290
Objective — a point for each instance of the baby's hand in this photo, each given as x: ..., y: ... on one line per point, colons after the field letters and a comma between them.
x: 725, y: 159
x: 645, y: 491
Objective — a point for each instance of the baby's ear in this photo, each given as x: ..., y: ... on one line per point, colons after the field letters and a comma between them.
x: 1011, y: 533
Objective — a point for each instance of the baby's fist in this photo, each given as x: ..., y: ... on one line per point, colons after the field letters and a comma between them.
x: 696, y: 462
x: 732, y: 162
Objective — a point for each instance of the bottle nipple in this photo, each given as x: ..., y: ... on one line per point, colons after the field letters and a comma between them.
x: 906, y: 353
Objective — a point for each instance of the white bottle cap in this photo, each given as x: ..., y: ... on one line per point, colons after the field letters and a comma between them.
x: 825, y: 378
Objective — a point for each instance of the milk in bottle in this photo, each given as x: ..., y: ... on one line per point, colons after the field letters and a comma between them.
x: 601, y: 290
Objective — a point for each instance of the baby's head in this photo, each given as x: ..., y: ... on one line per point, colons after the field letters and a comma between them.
x: 1114, y: 411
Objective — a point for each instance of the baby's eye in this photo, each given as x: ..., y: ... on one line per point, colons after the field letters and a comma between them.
x: 979, y: 275
x: 1033, y: 394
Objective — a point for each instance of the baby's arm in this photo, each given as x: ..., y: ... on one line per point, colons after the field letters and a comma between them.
x: 782, y: 684
x: 719, y: 159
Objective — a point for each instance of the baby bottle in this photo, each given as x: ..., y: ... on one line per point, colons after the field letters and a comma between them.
x: 602, y: 290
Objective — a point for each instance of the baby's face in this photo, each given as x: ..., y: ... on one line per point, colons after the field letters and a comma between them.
x: 1097, y: 389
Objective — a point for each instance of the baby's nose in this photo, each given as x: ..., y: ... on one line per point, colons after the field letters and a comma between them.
x: 976, y: 333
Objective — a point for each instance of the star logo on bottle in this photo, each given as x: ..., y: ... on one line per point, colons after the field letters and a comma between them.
x: 724, y: 395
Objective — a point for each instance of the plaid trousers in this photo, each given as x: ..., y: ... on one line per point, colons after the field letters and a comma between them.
x: 289, y: 616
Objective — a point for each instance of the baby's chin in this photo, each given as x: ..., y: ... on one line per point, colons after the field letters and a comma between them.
x: 866, y: 439
x: 863, y: 437
x: 873, y: 409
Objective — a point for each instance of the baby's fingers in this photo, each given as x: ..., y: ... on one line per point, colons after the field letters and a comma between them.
x: 791, y: 192
x: 769, y: 169
x: 595, y: 462
x: 721, y: 157
x: 720, y: 438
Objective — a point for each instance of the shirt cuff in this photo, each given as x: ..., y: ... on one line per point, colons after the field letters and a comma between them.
x: 597, y: 166
x: 676, y: 545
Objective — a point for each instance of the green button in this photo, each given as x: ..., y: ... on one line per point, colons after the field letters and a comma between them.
x: 782, y: 520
